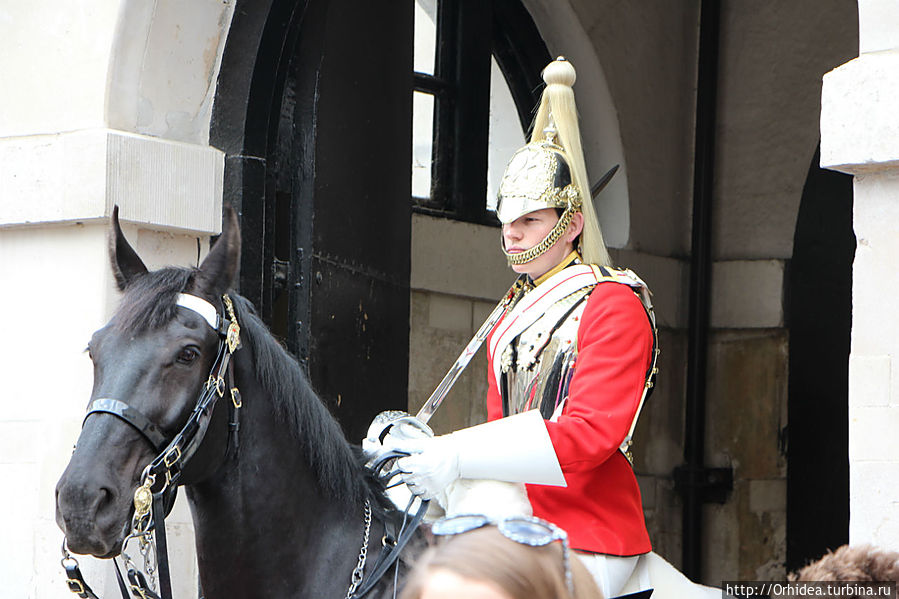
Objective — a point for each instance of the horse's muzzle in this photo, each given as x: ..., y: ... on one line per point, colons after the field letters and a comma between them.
x: 90, y: 516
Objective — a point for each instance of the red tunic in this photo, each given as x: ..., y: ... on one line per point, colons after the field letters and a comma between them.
x: 600, y: 508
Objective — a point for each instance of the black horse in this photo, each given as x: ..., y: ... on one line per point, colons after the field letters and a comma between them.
x: 282, y: 516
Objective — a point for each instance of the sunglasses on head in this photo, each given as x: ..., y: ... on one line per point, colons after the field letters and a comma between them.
x: 526, y: 530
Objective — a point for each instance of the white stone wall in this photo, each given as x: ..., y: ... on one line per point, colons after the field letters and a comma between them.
x: 458, y: 275
x: 860, y: 135
x: 104, y: 102
x: 57, y: 290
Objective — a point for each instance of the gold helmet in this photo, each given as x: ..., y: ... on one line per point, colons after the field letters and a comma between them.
x: 538, y: 177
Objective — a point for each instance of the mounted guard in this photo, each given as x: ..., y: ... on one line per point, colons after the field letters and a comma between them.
x: 571, y: 352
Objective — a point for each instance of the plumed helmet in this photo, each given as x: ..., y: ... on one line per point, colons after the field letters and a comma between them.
x: 549, y: 172
x: 536, y: 177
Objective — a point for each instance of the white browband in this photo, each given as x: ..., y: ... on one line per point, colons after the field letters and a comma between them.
x: 201, y: 307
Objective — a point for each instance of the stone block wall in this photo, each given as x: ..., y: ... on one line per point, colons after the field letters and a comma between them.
x: 747, y: 411
x: 659, y: 447
x: 74, y: 76
x: 440, y: 326
x: 859, y: 136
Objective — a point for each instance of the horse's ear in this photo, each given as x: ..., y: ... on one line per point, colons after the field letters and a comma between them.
x: 126, y: 264
x: 219, y: 267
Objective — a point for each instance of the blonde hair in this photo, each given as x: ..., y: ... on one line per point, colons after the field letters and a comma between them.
x: 521, y: 571
x: 557, y: 102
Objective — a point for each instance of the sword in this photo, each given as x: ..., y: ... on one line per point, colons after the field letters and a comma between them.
x: 603, y: 181
x: 437, y: 397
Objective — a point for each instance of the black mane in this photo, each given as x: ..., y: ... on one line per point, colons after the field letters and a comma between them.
x: 150, y: 302
x: 336, y: 464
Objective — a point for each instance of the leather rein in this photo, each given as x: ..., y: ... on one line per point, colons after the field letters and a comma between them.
x: 153, y: 501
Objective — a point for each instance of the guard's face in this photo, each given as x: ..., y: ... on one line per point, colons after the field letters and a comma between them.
x: 528, y: 230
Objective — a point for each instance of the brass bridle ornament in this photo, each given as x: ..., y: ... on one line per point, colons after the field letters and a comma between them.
x: 151, y: 506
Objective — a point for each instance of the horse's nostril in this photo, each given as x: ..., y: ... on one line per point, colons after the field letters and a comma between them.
x: 105, y: 498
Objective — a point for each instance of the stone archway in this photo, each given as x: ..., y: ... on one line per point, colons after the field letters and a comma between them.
x: 819, y: 317
x: 563, y: 32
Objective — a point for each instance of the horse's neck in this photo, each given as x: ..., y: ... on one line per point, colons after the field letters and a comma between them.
x: 262, y: 522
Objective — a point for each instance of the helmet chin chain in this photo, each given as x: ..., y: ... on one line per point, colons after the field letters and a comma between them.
x: 551, y: 238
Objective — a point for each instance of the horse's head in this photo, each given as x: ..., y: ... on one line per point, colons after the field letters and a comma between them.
x: 153, y: 357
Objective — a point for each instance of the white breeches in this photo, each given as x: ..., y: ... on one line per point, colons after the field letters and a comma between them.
x: 609, y: 571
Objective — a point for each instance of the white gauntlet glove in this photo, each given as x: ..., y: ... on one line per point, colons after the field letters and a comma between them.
x: 396, y: 427
x: 514, y: 449
x: 433, y: 464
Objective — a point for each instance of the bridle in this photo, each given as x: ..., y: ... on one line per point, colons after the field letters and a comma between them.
x: 152, y: 504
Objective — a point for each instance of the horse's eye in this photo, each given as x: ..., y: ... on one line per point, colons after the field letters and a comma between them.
x: 188, y: 355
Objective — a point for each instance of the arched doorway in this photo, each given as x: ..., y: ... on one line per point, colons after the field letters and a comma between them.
x: 314, y: 111
x: 318, y: 95
x: 819, y: 304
